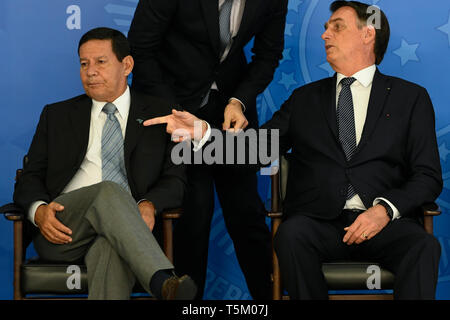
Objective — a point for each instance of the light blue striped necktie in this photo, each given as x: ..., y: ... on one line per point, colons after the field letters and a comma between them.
x: 113, y: 164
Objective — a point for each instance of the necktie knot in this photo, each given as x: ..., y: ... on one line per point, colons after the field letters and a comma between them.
x: 109, y: 108
x: 347, y: 81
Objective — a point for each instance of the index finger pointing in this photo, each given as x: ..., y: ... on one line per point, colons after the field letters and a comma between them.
x: 157, y: 120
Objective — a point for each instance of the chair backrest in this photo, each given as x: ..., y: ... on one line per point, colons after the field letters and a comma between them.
x: 284, y: 170
x: 27, y: 228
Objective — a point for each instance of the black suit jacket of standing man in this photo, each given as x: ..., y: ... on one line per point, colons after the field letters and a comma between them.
x: 176, y: 47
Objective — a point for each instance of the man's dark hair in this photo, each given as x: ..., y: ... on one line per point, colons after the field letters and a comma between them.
x: 119, y: 42
x: 364, y: 13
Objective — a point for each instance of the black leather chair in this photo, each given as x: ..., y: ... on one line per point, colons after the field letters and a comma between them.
x: 340, y: 275
x: 38, y: 279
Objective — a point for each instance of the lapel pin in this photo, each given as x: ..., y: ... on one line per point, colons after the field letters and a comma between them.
x: 140, y: 121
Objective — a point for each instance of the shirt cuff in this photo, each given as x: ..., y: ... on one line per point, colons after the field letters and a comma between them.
x: 242, y: 104
x: 199, y: 144
x: 32, y: 210
x: 395, y: 212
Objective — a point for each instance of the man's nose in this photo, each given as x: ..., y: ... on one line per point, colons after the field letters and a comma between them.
x: 91, y: 70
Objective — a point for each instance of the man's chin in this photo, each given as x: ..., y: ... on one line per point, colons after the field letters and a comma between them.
x: 96, y: 95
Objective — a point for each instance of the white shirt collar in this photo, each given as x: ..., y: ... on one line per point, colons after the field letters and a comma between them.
x: 122, y: 104
x: 364, y: 76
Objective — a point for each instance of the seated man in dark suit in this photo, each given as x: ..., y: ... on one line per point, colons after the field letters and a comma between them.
x: 93, y: 194
x: 364, y: 158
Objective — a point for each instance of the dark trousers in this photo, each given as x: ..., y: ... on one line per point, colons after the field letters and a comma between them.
x: 243, y: 213
x: 302, y: 244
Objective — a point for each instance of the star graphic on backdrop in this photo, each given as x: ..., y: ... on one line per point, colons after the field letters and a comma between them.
x: 443, y: 151
x: 287, y: 79
x: 446, y: 29
x: 288, y: 29
x: 293, y: 4
x: 326, y: 66
x: 287, y: 54
x: 407, y: 52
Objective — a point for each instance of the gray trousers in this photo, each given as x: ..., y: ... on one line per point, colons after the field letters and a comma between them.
x: 108, y: 231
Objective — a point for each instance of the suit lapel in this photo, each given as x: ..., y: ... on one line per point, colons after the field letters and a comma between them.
x: 210, y: 10
x: 80, y: 118
x: 134, y: 126
x: 380, y: 91
x: 328, y: 104
x: 250, y: 9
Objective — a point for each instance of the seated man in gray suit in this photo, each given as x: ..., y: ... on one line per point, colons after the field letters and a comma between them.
x: 96, y: 178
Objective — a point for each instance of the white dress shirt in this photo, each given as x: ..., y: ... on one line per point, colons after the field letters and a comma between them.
x: 90, y: 171
x: 361, y: 89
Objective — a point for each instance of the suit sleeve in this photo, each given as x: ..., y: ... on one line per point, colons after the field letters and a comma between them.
x: 168, y: 192
x: 31, y: 185
x: 151, y: 21
x: 267, y: 52
x: 424, y: 170
x: 265, y: 146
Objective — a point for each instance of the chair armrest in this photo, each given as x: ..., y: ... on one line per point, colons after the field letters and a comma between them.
x: 275, y: 215
x: 12, y: 212
x: 431, y: 209
x: 172, y: 213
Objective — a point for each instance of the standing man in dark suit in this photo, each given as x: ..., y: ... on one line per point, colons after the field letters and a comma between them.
x: 93, y: 194
x: 364, y: 159
x: 191, y: 53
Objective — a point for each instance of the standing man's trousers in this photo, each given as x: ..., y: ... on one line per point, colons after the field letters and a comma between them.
x: 243, y: 213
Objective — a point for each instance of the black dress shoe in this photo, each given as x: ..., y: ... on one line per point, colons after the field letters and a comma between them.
x: 176, y: 288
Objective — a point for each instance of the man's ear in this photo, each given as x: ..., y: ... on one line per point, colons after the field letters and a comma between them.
x: 128, y: 63
x: 369, y: 34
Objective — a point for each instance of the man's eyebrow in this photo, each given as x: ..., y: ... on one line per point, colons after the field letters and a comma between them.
x: 99, y: 57
x: 332, y: 21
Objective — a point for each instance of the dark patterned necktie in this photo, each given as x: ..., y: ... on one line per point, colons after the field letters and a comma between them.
x: 113, y: 165
x: 346, y: 124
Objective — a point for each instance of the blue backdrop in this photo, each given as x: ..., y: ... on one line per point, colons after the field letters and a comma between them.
x: 38, y: 55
